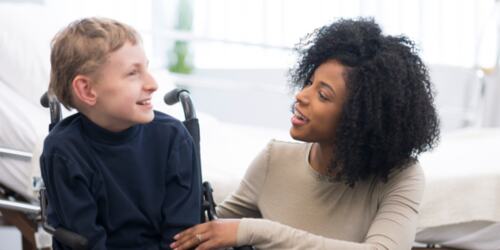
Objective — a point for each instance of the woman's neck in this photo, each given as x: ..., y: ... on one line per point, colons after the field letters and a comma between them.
x: 321, y: 157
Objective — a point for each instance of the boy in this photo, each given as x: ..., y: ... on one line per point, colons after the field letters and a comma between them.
x: 117, y: 172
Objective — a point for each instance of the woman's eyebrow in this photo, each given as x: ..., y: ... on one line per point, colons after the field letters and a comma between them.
x: 328, y: 86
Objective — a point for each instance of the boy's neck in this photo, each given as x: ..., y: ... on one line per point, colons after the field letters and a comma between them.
x: 105, y: 123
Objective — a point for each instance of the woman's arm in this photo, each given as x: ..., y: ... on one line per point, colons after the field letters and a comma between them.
x: 244, y: 201
x: 395, y: 224
x: 393, y: 227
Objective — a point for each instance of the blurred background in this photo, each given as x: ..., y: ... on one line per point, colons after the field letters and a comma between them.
x: 234, y: 55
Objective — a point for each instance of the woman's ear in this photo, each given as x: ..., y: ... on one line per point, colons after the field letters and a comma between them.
x: 82, y: 88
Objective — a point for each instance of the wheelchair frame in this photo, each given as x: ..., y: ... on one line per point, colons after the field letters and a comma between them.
x: 28, y: 217
x: 76, y: 241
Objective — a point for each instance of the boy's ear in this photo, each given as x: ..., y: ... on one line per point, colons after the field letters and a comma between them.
x: 82, y: 88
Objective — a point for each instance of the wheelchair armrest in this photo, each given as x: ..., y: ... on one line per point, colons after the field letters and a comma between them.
x: 66, y: 237
x: 208, y: 201
x: 244, y: 248
x: 70, y: 239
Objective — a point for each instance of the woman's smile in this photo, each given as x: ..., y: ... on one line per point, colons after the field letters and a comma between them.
x: 298, y: 119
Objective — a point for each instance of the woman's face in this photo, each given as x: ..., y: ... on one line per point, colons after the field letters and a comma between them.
x: 319, y: 104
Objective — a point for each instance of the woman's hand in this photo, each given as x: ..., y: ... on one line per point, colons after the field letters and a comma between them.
x: 211, y: 235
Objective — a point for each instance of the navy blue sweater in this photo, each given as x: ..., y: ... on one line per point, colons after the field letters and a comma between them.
x: 133, y: 189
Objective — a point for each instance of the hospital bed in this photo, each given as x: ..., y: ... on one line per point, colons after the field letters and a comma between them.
x: 461, y: 205
x: 460, y: 202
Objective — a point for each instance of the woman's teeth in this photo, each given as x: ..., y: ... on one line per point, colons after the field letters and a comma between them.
x: 299, y: 115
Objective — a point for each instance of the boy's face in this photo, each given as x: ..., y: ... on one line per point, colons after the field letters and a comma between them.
x: 123, y: 90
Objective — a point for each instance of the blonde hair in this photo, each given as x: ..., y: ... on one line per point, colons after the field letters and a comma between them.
x: 82, y: 48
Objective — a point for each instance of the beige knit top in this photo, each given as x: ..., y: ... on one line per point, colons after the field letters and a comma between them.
x: 302, y: 209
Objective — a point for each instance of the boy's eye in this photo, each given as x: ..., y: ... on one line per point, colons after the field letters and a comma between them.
x: 133, y: 72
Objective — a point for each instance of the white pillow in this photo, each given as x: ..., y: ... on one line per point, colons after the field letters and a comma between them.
x: 25, y: 34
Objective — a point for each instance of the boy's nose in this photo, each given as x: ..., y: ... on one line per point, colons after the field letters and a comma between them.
x: 150, y: 84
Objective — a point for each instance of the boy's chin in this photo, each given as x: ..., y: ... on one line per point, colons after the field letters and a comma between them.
x: 149, y: 118
x: 145, y: 118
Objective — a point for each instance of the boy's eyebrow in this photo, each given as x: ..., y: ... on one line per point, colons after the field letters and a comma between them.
x: 138, y: 64
x: 328, y: 86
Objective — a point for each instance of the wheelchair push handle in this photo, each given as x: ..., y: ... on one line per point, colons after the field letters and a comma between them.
x: 182, y: 95
x: 51, y: 102
x: 191, y: 123
x: 190, y: 120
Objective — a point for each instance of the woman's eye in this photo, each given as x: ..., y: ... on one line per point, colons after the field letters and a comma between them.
x: 322, y: 96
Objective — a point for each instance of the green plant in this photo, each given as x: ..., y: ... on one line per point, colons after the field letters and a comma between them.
x: 180, y: 57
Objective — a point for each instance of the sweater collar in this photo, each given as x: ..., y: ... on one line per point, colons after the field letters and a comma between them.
x: 102, y: 135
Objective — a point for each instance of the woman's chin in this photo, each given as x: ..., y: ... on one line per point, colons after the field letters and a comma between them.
x: 296, y: 135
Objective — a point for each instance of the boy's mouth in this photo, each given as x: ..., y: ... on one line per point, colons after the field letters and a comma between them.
x: 144, y: 102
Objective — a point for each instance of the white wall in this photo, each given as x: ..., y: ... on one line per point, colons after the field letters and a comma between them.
x: 137, y: 13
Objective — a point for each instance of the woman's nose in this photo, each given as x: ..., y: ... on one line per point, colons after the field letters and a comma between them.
x: 302, y: 96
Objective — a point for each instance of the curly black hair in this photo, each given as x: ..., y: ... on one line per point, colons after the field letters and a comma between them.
x: 388, y: 117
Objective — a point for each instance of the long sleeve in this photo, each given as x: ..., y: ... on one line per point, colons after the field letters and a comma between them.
x: 243, y: 202
x: 182, y: 203
x: 71, y: 200
x: 285, y: 204
x: 266, y: 234
x: 393, y: 227
x: 131, y: 189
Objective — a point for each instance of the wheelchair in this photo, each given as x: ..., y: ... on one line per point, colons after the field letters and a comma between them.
x: 207, y: 213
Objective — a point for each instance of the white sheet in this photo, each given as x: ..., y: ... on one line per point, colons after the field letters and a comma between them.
x: 474, y: 235
x: 25, y: 33
x: 463, y: 179
x: 461, y: 205
x: 23, y: 128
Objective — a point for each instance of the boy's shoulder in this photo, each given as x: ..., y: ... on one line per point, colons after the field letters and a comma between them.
x: 66, y: 127
x: 166, y: 123
x: 165, y: 120
x: 65, y: 133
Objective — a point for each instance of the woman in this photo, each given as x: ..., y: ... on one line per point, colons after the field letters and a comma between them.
x: 365, y: 112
